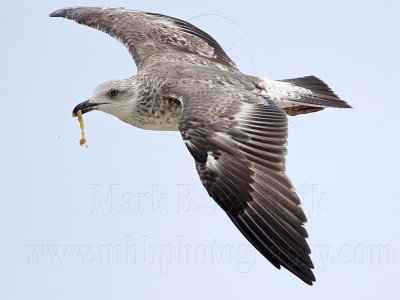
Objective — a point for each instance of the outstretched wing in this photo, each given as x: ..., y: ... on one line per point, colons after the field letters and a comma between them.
x: 238, y: 140
x: 153, y: 38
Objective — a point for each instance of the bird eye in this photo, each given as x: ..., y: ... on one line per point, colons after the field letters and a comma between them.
x: 114, y: 93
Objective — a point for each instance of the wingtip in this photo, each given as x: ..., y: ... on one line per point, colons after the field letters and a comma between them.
x: 306, y: 275
x: 67, y: 11
x: 310, y: 283
x: 56, y: 13
x: 63, y: 12
x: 309, y: 277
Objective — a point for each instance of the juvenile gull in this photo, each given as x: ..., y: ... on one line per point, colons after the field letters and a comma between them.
x: 234, y: 125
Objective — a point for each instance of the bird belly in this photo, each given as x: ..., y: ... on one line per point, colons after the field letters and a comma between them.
x: 163, y: 115
x: 161, y: 124
x: 161, y: 119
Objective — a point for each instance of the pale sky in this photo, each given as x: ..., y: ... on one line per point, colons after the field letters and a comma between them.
x: 128, y: 218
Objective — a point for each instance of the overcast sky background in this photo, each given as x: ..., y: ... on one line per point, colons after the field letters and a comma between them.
x: 127, y: 218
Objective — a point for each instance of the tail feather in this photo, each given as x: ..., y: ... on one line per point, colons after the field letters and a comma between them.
x: 313, y: 91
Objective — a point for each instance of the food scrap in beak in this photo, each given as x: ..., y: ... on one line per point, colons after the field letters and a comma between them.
x: 82, y: 141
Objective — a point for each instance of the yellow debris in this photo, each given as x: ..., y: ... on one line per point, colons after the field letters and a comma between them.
x: 82, y: 141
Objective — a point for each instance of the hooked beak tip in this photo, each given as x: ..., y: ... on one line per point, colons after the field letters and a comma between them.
x: 84, y: 107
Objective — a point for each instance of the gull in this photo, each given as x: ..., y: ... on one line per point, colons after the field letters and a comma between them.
x: 234, y: 125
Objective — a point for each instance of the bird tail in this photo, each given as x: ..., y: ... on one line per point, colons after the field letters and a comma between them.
x: 312, y: 91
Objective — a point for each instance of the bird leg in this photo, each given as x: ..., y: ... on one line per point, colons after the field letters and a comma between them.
x: 301, y: 109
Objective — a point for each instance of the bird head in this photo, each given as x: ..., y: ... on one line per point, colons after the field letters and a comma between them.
x: 116, y: 97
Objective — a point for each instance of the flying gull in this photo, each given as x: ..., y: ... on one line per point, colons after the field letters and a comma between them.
x: 234, y: 125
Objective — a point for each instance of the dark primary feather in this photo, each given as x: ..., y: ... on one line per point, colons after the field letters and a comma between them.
x: 238, y: 140
x: 153, y: 38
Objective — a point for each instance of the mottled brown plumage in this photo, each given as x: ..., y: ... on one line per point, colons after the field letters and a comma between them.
x: 233, y: 124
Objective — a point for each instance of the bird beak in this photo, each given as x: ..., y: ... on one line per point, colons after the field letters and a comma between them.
x: 84, y: 107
